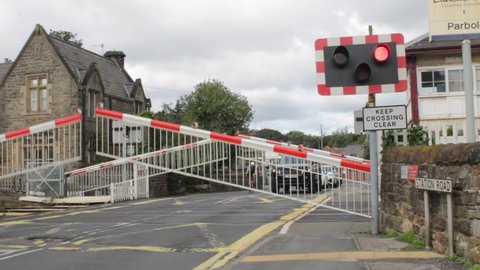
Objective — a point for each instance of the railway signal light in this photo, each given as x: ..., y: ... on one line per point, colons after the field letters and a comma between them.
x: 361, y: 65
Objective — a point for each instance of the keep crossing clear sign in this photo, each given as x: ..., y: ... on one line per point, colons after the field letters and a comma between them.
x: 384, y: 118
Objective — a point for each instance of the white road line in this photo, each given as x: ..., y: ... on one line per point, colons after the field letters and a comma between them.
x: 287, y: 225
x: 20, y: 254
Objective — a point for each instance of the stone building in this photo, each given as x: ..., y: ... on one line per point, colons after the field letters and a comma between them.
x: 51, y: 78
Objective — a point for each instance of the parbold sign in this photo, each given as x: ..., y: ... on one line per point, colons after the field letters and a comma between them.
x: 454, y: 20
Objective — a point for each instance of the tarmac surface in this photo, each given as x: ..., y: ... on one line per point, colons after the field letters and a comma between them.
x: 234, y: 230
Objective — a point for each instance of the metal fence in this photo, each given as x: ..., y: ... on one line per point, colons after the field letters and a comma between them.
x: 334, y: 182
x: 48, y: 144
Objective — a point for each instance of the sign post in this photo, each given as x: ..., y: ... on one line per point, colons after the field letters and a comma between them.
x: 437, y: 185
x: 372, y: 64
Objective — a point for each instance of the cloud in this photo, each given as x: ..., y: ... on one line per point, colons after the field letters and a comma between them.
x: 261, y: 49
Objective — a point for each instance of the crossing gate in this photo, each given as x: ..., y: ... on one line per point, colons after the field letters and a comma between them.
x: 332, y: 181
x: 28, y: 150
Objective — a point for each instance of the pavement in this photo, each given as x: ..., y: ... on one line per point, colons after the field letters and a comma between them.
x: 327, y: 239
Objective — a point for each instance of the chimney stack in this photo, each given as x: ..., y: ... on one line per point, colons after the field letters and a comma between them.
x: 118, y: 56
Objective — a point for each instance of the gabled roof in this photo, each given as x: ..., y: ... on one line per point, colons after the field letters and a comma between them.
x: 116, y: 81
x: 422, y: 44
x: 4, y: 67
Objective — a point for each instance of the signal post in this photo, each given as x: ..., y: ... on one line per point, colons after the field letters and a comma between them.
x: 372, y: 64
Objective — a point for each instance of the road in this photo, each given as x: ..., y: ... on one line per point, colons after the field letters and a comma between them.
x: 232, y: 230
x: 190, y: 232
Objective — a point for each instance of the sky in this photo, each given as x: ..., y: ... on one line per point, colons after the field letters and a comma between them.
x: 262, y: 49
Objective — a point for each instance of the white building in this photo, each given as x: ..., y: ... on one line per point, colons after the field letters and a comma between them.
x: 436, y: 99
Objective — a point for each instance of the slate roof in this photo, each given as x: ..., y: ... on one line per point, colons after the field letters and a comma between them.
x: 423, y: 44
x: 4, y: 67
x: 116, y: 81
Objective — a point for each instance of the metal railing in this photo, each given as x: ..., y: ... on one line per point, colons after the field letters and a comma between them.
x: 231, y: 160
x: 48, y: 144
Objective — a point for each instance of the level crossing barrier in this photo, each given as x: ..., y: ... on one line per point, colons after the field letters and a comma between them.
x: 52, y: 143
x: 307, y: 149
x: 235, y: 161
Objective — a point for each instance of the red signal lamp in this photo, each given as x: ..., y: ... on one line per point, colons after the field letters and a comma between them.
x: 381, y: 53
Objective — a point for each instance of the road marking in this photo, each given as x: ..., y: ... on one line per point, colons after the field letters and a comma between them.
x: 265, y: 200
x: 14, y: 223
x: 211, y: 237
x: 27, y: 221
x: 20, y: 254
x: 178, y: 202
x: 151, y: 201
x: 349, y: 255
x: 287, y: 226
x: 83, y: 241
x: 228, y: 253
x: 136, y: 248
x: 65, y: 248
x: 14, y: 246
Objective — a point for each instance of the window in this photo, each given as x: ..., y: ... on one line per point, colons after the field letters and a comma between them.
x: 432, y: 81
x: 91, y: 102
x: 38, y: 148
x: 37, y: 93
x: 441, y: 81
x: 455, y: 80
x: 138, y: 107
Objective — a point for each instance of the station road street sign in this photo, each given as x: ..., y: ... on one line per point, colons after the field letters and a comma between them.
x: 385, y: 118
x: 439, y: 185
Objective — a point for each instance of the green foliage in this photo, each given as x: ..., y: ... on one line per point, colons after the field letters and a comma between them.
x: 67, y: 36
x: 270, y: 134
x: 411, y: 238
x: 342, y: 138
x: 366, y: 149
x: 388, y: 140
x: 296, y: 137
x: 391, y: 233
x: 148, y: 114
x: 417, y: 136
x: 469, y: 265
x: 217, y: 108
x: 213, y: 106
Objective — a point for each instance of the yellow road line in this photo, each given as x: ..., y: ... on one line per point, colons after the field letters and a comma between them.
x: 14, y: 246
x: 156, y: 249
x: 65, y: 248
x: 14, y: 223
x: 178, y: 202
x: 350, y: 255
x: 150, y: 201
x: 83, y: 241
x: 265, y: 200
x: 228, y: 253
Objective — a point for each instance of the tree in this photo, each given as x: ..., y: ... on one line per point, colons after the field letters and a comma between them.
x: 7, y: 60
x: 296, y: 137
x: 417, y: 136
x: 67, y: 36
x: 216, y: 108
x: 270, y: 134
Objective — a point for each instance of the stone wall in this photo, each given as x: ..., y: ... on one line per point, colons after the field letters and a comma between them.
x: 401, y: 205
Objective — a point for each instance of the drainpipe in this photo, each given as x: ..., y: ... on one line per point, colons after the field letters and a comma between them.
x: 412, y: 69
